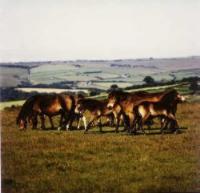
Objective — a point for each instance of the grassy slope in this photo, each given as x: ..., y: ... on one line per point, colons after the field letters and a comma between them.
x: 52, y: 161
x: 10, y: 103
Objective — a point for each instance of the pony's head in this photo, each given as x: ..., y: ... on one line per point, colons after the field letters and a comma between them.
x: 173, y: 96
x: 180, y: 98
x: 21, y: 123
x: 114, y: 97
x: 79, y: 108
x: 24, y: 113
x: 78, y: 97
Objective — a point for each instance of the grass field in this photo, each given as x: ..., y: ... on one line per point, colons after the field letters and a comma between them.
x: 36, y: 161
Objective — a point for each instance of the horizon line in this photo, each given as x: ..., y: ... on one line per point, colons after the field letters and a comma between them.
x: 74, y: 60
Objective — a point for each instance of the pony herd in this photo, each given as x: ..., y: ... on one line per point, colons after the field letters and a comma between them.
x: 132, y: 110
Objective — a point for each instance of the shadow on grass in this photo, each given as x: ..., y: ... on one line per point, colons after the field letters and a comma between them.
x: 152, y: 131
x: 8, y: 185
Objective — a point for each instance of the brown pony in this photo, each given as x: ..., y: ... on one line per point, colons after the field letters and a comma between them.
x: 43, y: 104
x: 96, y: 108
x: 127, y: 102
x: 166, y: 107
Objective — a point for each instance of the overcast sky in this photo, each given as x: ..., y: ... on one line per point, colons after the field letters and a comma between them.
x: 98, y: 29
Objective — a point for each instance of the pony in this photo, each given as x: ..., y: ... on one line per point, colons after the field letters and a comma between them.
x: 96, y: 108
x: 166, y: 107
x: 43, y: 105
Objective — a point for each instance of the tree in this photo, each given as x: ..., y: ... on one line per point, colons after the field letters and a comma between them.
x: 194, y: 86
x: 114, y: 87
x: 149, y: 80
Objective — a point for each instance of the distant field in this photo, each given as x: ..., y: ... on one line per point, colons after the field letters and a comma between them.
x: 37, y: 161
x: 10, y: 77
x: 124, y: 73
x: 101, y: 74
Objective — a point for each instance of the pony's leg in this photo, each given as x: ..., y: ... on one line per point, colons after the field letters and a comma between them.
x: 79, y: 122
x: 149, y: 123
x: 71, y: 120
x: 34, y: 122
x: 117, y: 124
x: 67, y: 117
x: 122, y: 121
x: 69, y: 123
x: 51, y: 121
x: 173, y: 119
x: 164, y: 124
x: 93, y: 118
x: 61, y: 122
x: 138, y: 123
x: 143, y: 120
x: 132, y: 123
x: 112, y: 118
x: 100, y: 125
x: 117, y: 118
x: 125, y: 122
x: 42, y: 121
x: 85, y: 123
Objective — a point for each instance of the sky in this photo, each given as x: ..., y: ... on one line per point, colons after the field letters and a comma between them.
x: 38, y: 30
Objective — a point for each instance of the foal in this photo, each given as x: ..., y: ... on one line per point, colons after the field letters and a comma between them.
x: 165, y: 108
x: 96, y: 108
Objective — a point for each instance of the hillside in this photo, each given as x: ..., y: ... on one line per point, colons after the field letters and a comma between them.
x: 98, y: 73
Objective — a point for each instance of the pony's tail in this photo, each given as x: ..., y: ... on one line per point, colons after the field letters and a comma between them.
x: 62, y: 102
x: 73, y: 103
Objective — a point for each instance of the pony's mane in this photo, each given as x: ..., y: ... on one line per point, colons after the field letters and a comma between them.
x: 119, y: 95
x: 169, y: 96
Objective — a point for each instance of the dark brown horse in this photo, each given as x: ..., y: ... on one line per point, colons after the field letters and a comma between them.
x: 166, y: 107
x: 96, y: 108
x: 44, y: 104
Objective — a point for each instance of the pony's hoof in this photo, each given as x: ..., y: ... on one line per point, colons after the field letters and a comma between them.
x: 177, y: 131
x: 133, y: 132
x: 67, y: 128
